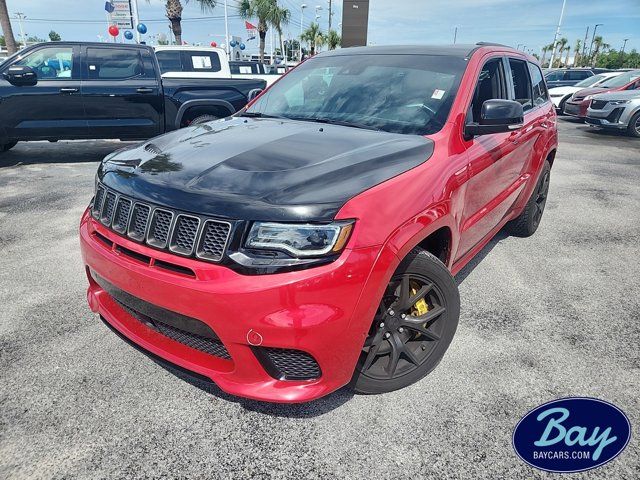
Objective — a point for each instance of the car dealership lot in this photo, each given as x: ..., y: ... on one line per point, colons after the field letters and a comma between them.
x: 545, y: 317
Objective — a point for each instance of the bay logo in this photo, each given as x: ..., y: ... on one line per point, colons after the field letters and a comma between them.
x: 571, y: 434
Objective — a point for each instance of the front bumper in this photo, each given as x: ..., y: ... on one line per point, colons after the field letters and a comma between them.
x: 611, y: 116
x: 576, y: 109
x: 309, y: 310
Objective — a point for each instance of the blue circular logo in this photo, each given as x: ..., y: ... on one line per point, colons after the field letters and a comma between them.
x: 571, y: 435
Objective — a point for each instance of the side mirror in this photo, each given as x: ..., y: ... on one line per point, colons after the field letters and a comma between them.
x: 254, y: 93
x: 20, y: 75
x: 496, y: 116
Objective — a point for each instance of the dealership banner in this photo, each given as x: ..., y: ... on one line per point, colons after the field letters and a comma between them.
x: 121, y: 14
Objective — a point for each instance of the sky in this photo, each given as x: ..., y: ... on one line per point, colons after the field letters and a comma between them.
x: 513, y: 22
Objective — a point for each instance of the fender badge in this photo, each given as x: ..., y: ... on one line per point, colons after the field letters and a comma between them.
x: 254, y: 338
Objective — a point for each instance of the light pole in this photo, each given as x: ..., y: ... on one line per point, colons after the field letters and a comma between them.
x: 555, y: 37
x: 624, y: 45
x: 593, y: 38
x: 302, y: 7
x: 226, y: 30
x: 21, y: 16
x: 136, y: 19
x: 455, y: 35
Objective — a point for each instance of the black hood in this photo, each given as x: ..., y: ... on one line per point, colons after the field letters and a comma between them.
x: 262, y: 169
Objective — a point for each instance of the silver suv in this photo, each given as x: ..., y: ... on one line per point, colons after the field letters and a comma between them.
x: 619, y: 110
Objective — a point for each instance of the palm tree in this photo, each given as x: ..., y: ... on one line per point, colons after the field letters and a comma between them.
x: 566, y: 58
x: 333, y: 40
x: 598, y: 45
x: 174, y: 14
x: 279, y: 18
x: 545, y: 49
x: 5, y: 23
x: 313, y: 36
x: 267, y: 12
x: 576, y: 52
x: 559, y: 47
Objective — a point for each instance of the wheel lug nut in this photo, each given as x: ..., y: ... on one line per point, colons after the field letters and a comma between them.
x: 381, y: 324
x: 401, y: 330
x: 424, y: 347
x: 403, y: 316
x: 387, y: 335
x: 392, y: 313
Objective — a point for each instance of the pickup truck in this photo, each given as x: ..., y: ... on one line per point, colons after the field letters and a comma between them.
x: 73, y: 90
x: 178, y: 61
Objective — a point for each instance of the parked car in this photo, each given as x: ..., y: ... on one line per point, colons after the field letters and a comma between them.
x: 618, y: 110
x: 178, y: 61
x: 577, y: 105
x: 311, y: 240
x: 566, y: 77
x: 72, y: 90
x: 559, y: 95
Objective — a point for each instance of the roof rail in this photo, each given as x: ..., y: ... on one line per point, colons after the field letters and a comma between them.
x: 491, y: 44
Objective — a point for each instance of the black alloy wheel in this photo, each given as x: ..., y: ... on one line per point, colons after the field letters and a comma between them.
x: 525, y: 224
x: 541, y: 197
x: 634, y: 125
x: 413, y: 327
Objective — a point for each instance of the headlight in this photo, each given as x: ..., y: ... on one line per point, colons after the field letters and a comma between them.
x: 588, y: 97
x: 618, y: 102
x: 300, y: 240
x: 557, y: 95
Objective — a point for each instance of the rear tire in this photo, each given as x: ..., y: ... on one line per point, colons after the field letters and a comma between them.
x: 409, y: 337
x: 562, y: 104
x: 203, y: 119
x: 528, y: 221
x: 7, y: 146
x: 633, y: 129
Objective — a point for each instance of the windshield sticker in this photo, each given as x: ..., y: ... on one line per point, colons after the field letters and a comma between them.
x: 438, y: 94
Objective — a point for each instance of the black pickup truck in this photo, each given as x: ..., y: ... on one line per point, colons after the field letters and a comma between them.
x: 77, y: 90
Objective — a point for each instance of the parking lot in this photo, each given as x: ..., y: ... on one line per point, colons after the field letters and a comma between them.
x: 553, y: 315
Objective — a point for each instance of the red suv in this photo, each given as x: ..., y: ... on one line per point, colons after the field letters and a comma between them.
x: 579, y: 102
x: 310, y: 241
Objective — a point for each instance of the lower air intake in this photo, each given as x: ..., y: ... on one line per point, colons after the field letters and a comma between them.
x: 287, y: 363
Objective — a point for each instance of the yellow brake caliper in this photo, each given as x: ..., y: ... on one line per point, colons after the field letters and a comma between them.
x: 420, y: 307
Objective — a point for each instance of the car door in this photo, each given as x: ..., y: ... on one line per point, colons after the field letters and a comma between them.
x: 52, y: 108
x: 554, y: 78
x: 497, y: 161
x: 122, y: 93
x: 571, y: 77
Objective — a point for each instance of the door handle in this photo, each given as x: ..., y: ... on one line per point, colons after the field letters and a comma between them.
x: 68, y: 90
x: 144, y: 90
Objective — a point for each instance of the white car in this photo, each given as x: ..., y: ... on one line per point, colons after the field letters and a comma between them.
x: 178, y: 61
x: 559, y: 95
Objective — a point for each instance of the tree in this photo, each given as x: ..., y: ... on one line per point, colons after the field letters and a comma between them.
x: 174, y: 14
x: 598, y: 46
x: 333, y: 40
x: 5, y: 24
x: 566, y: 58
x: 559, y: 47
x: 54, y: 36
x: 313, y: 36
x: 576, y: 52
x: 268, y: 13
x: 279, y: 18
x: 35, y: 39
x: 545, y: 49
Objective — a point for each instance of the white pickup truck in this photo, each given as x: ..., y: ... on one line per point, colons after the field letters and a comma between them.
x: 202, y: 62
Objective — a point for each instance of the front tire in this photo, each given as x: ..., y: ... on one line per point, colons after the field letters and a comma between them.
x: 203, y: 119
x: 528, y: 221
x: 633, y: 129
x: 415, y: 323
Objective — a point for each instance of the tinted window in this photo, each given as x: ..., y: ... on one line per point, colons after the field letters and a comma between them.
x: 169, y: 61
x: 202, y: 61
x: 621, y: 80
x: 50, y: 62
x: 587, y: 82
x: 554, y: 76
x: 491, y: 84
x: 539, y: 87
x: 397, y: 93
x: 577, y: 75
x: 521, y: 83
x: 113, y: 63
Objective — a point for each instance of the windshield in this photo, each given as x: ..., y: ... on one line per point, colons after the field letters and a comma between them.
x: 587, y: 82
x: 409, y: 94
x: 622, y: 79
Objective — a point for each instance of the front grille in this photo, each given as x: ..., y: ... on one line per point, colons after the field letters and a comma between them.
x: 162, y: 228
x: 287, y: 363
x: 185, y: 330
x: 598, y: 104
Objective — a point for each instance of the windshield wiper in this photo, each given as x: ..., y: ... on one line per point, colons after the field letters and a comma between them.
x: 332, y: 121
x: 257, y: 115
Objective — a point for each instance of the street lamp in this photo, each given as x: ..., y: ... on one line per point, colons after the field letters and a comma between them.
x: 302, y: 7
x: 594, y: 37
x: 624, y: 45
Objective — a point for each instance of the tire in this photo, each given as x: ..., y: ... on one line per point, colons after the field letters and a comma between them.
x: 561, y: 106
x: 633, y: 129
x: 528, y: 221
x: 203, y: 119
x: 7, y: 146
x: 420, y: 338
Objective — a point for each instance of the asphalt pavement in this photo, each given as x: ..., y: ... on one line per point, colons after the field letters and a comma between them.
x: 550, y: 316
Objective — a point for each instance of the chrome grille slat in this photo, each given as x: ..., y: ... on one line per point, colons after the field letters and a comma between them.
x: 180, y: 233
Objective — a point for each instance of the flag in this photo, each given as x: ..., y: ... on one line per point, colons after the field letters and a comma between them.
x: 108, y: 6
x: 252, y: 31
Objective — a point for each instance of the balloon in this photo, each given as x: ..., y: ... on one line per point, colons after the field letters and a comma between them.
x: 128, y: 35
x: 233, y: 43
x: 214, y: 44
x: 142, y: 28
x: 242, y: 46
x: 114, y: 31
